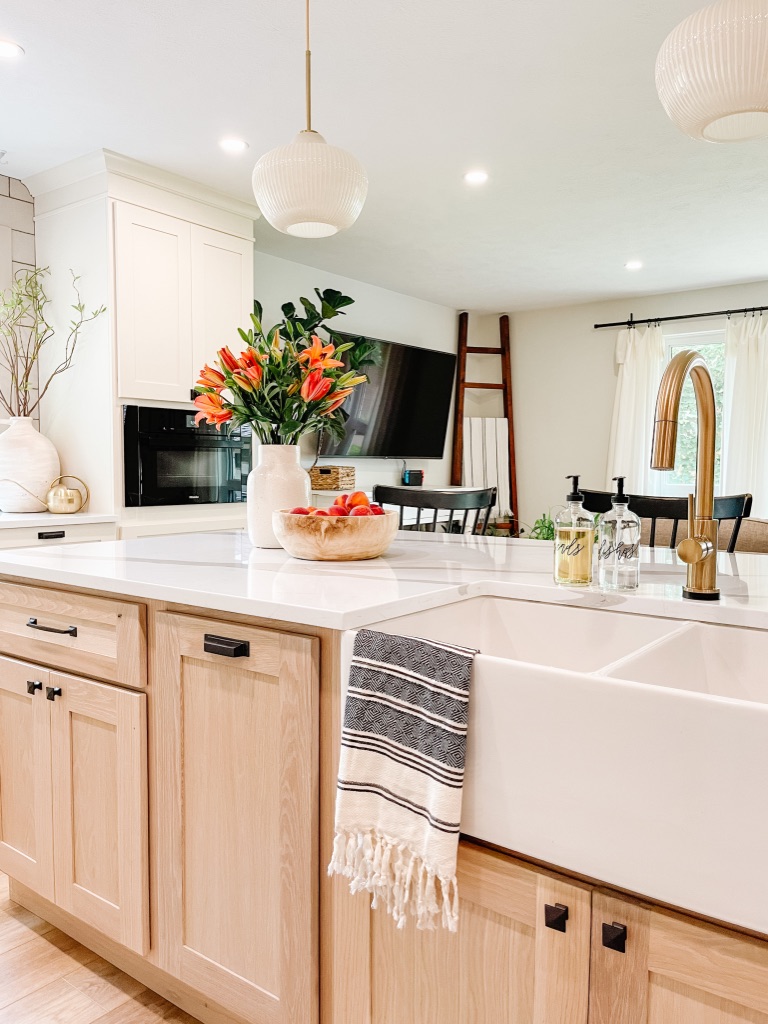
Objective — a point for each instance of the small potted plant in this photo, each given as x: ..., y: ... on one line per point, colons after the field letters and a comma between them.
x: 285, y: 383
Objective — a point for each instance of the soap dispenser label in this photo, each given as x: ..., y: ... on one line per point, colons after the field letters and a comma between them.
x: 622, y: 552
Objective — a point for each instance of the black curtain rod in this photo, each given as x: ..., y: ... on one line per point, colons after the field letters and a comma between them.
x: 688, y: 316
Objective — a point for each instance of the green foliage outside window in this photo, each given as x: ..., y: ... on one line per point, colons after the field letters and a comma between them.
x: 685, y: 461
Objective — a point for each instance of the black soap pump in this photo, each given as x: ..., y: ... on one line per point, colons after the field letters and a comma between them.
x: 574, y: 540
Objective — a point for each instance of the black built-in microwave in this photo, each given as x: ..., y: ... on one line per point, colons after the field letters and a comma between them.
x: 170, y: 461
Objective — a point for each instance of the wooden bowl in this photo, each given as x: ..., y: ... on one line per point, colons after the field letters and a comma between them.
x: 335, y: 538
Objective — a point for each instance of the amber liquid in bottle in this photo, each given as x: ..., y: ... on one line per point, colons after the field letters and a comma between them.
x: 573, y: 555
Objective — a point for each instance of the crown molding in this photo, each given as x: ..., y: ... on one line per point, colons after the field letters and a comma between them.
x: 104, y: 173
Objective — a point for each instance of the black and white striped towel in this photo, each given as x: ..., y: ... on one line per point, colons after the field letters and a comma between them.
x: 401, y: 773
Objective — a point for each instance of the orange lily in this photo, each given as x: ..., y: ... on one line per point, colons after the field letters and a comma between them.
x: 210, y: 378
x: 250, y: 358
x: 212, y: 410
x: 315, y: 386
x: 339, y: 398
x: 227, y: 361
x: 319, y: 356
x: 249, y: 378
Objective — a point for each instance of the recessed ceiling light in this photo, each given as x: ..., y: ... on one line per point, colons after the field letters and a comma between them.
x: 477, y: 177
x: 10, y: 50
x: 633, y: 265
x: 231, y: 144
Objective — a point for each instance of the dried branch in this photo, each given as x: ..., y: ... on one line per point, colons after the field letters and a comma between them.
x: 25, y: 330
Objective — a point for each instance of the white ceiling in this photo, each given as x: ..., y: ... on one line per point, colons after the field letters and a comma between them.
x: 555, y: 98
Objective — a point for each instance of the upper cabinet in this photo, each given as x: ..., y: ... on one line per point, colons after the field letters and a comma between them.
x: 181, y: 292
x: 222, y: 291
x: 153, y: 304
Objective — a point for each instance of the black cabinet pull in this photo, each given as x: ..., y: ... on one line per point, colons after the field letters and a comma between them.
x: 51, y: 535
x: 33, y: 685
x: 52, y: 692
x: 69, y: 631
x: 555, y: 917
x: 615, y: 937
x: 226, y: 646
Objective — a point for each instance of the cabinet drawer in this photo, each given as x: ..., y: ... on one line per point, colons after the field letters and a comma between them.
x: 66, y: 533
x: 93, y: 636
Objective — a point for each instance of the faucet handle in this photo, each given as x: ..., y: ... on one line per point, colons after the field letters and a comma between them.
x: 693, y: 549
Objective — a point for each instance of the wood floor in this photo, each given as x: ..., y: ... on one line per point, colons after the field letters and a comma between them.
x: 48, y: 978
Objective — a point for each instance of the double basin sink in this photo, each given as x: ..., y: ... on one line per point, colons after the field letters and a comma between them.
x: 627, y: 748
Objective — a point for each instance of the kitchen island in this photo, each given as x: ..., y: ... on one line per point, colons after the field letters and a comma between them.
x: 169, y: 721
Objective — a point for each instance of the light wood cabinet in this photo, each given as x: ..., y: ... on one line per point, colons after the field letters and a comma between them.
x: 99, y: 773
x: 674, y: 970
x: 181, y: 292
x: 26, y: 810
x: 153, y: 304
x: 73, y: 797
x: 237, y: 797
x: 503, y: 966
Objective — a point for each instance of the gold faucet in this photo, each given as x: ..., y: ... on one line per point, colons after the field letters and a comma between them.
x: 699, y: 549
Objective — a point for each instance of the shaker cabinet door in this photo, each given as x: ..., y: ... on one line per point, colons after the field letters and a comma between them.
x: 153, y: 296
x: 99, y: 773
x: 236, y: 792
x: 222, y: 292
x: 503, y: 966
x: 673, y: 969
x: 26, y: 836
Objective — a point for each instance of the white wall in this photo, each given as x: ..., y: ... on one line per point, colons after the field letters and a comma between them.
x: 564, y: 381
x: 377, y: 312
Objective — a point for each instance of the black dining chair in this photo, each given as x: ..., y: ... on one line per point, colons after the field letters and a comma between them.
x: 459, y: 502
x: 730, y: 507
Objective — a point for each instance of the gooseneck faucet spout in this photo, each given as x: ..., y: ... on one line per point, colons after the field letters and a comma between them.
x: 699, y: 549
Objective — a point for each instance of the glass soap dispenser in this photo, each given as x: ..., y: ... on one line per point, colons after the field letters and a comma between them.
x: 574, y: 540
x: 618, y: 544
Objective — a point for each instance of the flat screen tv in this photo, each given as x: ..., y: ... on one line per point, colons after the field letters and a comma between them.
x: 402, y: 411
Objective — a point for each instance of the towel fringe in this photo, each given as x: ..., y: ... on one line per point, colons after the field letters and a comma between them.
x: 397, y: 877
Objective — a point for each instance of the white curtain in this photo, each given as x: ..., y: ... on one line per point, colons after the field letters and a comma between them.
x: 640, y: 355
x: 745, y: 440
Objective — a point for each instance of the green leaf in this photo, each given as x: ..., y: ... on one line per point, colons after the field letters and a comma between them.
x: 289, y: 309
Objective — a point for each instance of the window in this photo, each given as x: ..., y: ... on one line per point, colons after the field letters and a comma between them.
x: 711, y: 344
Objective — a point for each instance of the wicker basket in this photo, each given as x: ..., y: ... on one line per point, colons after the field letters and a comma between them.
x: 332, y: 478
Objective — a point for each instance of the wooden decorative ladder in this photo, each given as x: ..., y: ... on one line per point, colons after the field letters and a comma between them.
x: 462, y: 385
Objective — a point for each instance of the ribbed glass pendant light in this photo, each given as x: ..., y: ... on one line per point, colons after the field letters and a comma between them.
x: 309, y: 188
x: 712, y: 72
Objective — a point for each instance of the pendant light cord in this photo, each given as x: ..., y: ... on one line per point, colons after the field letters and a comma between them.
x: 308, y: 75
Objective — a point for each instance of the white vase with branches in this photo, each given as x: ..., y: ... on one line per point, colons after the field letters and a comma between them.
x: 29, y: 461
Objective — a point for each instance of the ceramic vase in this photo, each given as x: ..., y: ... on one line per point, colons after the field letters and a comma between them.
x: 277, y: 482
x: 29, y: 463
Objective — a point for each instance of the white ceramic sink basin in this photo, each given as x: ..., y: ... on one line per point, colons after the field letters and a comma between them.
x: 582, y: 639
x: 633, y: 750
x: 716, y: 660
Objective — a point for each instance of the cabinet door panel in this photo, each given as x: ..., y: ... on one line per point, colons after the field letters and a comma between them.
x: 503, y: 966
x: 237, y: 805
x: 222, y: 291
x: 153, y: 296
x: 98, y: 745
x: 674, y: 969
x: 26, y: 836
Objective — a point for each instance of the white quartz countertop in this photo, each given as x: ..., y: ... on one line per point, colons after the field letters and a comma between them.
x: 221, y: 571
x: 44, y: 519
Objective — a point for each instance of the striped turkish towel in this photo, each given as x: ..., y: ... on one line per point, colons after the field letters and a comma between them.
x: 401, y: 774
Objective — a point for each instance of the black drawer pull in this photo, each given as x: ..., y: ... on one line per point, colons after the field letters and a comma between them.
x: 555, y: 916
x: 51, y: 534
x: 226, y: 647
x: 69, y: 631
x: 52, y: 692
x: 615, y: 937
x: 33, y: 685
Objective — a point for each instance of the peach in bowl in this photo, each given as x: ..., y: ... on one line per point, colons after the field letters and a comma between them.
x: 350, y: 530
